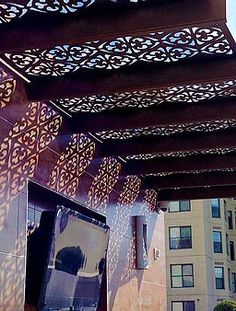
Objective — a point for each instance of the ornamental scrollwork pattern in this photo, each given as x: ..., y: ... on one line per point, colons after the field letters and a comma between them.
x: 19, y: 152
x: 11, y: 10
x: 123, y: 51
x: 170, y: 129
x: 103, y: 184
x: 163, y: 174
x: 7, y: 88
x: 120, y: 224
x: 71, y: 165
x: 146, y: 98
x: 181, y: 154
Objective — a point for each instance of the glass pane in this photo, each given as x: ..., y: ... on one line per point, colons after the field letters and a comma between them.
x: 188, y: 281
x: 215, y: 202
x: 189, y: 306
x: 187, y: 270
x: 175, y: 243
x: 216, y: 236
x: 175, y: 232
x: 185, y: 232
x: 184, y: 206
x: 219, y: 284
x: 176, y: 270
x: 177, y: 281
x: 177, y: 306
x: 174, y: 206
x: 218, y: 272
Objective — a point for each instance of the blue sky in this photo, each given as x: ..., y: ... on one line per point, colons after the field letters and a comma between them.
x: 231, y: 16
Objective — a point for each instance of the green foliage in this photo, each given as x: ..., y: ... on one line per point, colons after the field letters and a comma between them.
x: 226, y: 305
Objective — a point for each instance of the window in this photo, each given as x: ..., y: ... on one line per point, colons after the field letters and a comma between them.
x: 217, y: 242
x: 179, y: 206
x: 229, y: 279
x: 230, y: 220
x: 234, y: 282
x: 227, y: 244
x: 231, y: 248
x: 215, y: 208
x: 219, y: 278
x: 183, y: 306
x: 180, y: 237
x: 181, y: 275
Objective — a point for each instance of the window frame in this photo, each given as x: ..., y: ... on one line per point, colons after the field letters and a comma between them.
x: 183, y: 302
x: 218, y: 209
x: 182, y: 276
x: 223, y: 277
x: 179, y: 209
x: 221, y: 245
x: 234, y: 282
x: 180, y: 237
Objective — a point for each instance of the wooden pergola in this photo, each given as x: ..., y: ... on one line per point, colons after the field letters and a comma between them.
x: 153, y: 81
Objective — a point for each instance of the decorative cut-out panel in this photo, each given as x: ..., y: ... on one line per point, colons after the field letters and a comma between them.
x: 11, y: 10
x: 7, y: 88
x: 190, y: 172
x: 19, y: 152
x: 170, y: 129
x: 103, y: 184
x: 154, y: 47
x: 121, y: 221
x: 72, y: 164
x: 143, y: 99
x: 181, y: 154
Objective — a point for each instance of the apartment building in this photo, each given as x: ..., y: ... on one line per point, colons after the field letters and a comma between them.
x: 200, y: 253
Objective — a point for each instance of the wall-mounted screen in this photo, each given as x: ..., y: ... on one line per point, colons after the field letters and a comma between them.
x: 74, y: 260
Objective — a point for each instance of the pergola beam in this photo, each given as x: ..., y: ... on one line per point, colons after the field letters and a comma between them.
x: 133, y: 78
x: 191, y: 180
x: 173, y: 143
x: 160, y: 115
x: 177, y: 164
x: 108, y: 21
x: 197, y: 193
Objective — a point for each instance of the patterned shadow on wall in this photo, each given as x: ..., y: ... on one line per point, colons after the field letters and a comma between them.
x: 121, y: 220
x: 19, y: 152
x: 103, y: 184
x: 7, y: 88
x: 71, y: 165
x: 148, y: 206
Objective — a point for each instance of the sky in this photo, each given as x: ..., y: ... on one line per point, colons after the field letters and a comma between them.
x: 231, y: 16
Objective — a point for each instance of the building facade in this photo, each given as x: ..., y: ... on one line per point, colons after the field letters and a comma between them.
x: 200, y: 253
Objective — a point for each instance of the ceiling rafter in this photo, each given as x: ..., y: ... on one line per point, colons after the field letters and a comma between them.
x: 173, y: 143
x: 133, y: 78
x: 177, y: 165
x: 191, y: 180
x: 104, y: 21
x: 197, y: 193
x: 158, y: 116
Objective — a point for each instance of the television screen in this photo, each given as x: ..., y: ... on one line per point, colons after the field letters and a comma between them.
x: 75, y: 263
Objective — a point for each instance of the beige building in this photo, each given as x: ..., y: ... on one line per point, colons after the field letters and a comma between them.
x: 200, y: 258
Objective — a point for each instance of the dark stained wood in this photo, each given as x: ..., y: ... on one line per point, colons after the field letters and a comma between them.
x: 108, y: 21
x: 161, y: 115
x: 174, y: 143
x: 191, y: 180
x: 197, y: 193
x: 132, y: 78
x: 191, y: 163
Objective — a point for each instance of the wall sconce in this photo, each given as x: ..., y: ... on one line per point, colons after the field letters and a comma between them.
x: 141, y: 243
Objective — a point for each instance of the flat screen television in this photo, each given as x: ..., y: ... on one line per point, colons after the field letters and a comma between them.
x: 66, y: 258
